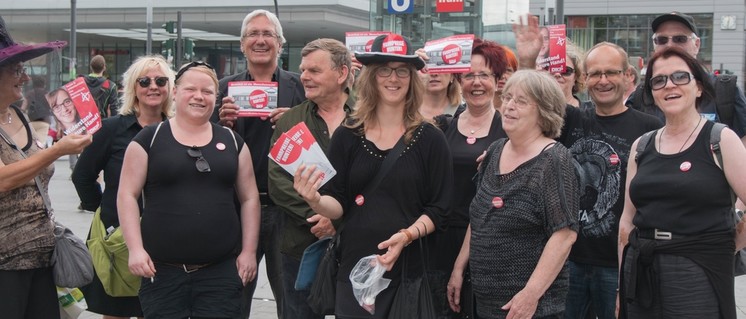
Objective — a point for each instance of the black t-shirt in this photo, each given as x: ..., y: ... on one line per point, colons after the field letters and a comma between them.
x: 189, y: 216
x: 601, y: 145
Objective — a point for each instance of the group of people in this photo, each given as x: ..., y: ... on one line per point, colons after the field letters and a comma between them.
x: 540, y: 200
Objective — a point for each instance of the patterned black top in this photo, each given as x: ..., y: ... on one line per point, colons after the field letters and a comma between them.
x: 512, y: 217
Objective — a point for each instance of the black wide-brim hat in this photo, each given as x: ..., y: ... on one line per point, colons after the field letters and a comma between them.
x: 12, y: 52
x: 390, y: 48
x: 682, y: 18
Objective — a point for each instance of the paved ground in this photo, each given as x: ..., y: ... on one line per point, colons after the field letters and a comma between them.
x: 65, y: 202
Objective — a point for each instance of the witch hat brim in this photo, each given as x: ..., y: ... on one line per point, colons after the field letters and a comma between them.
x: 24, y: 52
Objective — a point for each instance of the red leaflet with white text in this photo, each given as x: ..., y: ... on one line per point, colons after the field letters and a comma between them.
x: 297, y: 146
x: 254, y: 98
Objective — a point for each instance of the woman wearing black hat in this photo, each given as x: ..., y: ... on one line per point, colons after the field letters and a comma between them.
x: 27, y: 289
x: 411, y: 199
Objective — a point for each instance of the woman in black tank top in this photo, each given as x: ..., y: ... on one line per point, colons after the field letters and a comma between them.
x: 676, y: 234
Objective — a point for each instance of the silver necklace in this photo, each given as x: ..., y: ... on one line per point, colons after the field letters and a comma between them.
x: 10, y: 119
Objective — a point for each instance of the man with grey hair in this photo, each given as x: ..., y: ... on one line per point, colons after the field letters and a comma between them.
x: 325, y: 72
x: 261, y: 43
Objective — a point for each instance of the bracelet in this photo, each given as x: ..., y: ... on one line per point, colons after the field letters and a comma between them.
x: 423, y: 224
x: 408, y: 234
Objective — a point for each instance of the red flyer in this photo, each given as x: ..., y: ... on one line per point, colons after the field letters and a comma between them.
x: 254, y: 98
x: 362, y: 41
x: 450, y: 54
x: 297, y: 146
x: 74, y: 108
x: 554, y: 51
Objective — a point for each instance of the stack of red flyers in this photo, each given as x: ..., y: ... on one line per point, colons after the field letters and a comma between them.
x: 297, y: 146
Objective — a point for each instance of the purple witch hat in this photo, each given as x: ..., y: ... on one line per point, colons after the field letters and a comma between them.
x: 12, y: 52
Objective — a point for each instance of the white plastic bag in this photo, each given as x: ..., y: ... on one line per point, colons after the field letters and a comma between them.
x: 72, y: 303
x: 367, y: 281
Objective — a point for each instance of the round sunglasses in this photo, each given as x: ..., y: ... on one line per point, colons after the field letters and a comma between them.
x: 145, y: 81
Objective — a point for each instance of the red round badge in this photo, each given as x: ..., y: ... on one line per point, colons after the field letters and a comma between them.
x: 258, y: 99
x: 497, y: 202
x: 614, y: 159
x: 359, y: 200
x: 451, y: 54
x: 220, y: 146
x: 685, y: 166
x: 471, y: 140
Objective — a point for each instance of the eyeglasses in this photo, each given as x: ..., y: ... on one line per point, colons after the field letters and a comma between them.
x: 678, y: 39
x: 202, y: 165
x: 518, y: 102
x: 385, y: 72
x: 145, y: 81
x: 481, y: 76
x: 67, y: 103
x: 568, y: 71
x: 678, y: 78
x: 610, y: 74
x: 190, y: 65
x: 257, y: 34
x: 19, y: 72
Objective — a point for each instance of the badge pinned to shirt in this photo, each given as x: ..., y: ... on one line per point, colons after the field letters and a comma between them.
x: 685, y: 166
x: 614, y: 159
x: 220, y: 146
x: 359, y: 200
x: 497, y: 202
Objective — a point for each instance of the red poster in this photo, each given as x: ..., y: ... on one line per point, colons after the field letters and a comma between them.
x: 449, y: 5
x: 74, y: 108
x: 553, y: 53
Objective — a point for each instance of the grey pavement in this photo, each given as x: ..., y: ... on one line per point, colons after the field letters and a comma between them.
x: 65, y: 202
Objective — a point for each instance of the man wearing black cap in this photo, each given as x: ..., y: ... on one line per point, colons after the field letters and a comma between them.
x: 728, y: 106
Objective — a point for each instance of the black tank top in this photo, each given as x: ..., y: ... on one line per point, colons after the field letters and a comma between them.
x: 684, y: 193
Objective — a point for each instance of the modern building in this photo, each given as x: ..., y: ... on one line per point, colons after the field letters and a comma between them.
x: 118, y: 29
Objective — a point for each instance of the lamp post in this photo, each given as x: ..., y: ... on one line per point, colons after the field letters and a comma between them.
x: 149, y: 22
x: 73, y: 39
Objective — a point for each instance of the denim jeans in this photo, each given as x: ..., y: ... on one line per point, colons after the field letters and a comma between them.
x: 591, y: 286
x: 294, y: 301
x: 269, y: 246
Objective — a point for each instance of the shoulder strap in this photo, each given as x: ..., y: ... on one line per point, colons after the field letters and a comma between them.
x: 717, y: 129
x: 643, y: 143
x: 37, y: 179
x: 155, y: 133
x: 233, y: 135
x: 386, y: 166
x: 725, y: 97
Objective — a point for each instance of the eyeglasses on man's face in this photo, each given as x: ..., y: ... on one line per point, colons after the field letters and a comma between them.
x: 470, y: 77
x: 258, y: 34
x: 678, y: 78
x: 400, y: 72
x: 201, y: 163
x: 610, y: 74
x: 677, y: 39
x: 145, y: 81
x: 190, y: 65
x: 65, y: 103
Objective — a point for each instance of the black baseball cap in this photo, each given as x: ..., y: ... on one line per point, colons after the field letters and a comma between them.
x: 682, y: 18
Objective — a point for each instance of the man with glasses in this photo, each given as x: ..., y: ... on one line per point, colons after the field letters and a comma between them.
x: 728, y: 106
x: 600, y: 140
x: 261, y: 43
x: 326, y: 75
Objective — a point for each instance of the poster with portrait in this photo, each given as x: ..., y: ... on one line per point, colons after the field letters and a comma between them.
x: 254, y: 98
x: 74, y: 108
x: 450, y: 54
x: 554, y: 48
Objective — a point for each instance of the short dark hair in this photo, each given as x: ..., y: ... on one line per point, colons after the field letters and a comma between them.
x: 98, y: 63
x: 699, y: 73
x: 494, y: 55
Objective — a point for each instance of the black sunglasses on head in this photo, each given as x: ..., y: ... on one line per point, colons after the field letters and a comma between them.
x: 190, y: 65
x: 145, y: 81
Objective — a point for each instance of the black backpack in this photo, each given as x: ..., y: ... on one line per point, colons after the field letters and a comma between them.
x: 725, y: 100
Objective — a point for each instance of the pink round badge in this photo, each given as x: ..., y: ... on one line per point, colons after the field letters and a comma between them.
x: 220, y: 146
x: 614, y: 159
x: 359, y: 200
x: 471, y: 140
x: 685, y: 166
x: 497, y: 202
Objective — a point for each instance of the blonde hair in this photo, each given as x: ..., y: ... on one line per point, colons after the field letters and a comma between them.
x: 454, y: 91
x: 141, y: 66
x: 368, y: 98
x: 201, y: 69
x: 544, y: 90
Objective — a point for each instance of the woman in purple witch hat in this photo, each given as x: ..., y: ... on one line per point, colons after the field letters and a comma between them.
x: 27, y: 288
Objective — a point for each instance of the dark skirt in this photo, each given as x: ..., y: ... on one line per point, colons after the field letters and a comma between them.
x: 101, y: 303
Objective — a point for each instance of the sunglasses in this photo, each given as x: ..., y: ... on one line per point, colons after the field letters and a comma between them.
x: 145, y: 81
x: 190, y: 65
x: 678, y: 39
x: 568, y: 71
x: 677, y: 78
x: 202, y: 165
